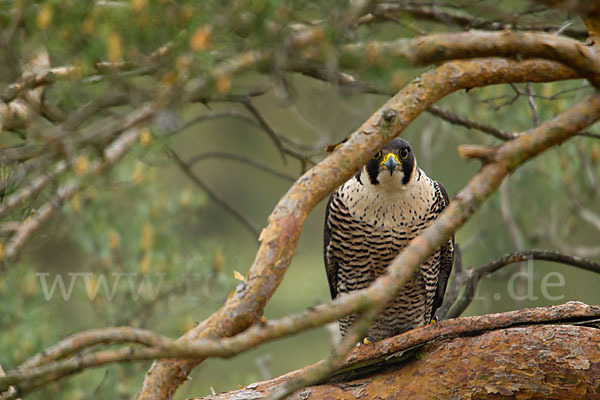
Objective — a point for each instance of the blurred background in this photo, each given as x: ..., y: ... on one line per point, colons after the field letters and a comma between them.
x: 144, y: 245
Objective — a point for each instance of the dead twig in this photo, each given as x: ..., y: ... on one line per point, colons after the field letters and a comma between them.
x: 483, y: 153
x: 474, y: 276
x: 448, y: 16
x: 236, y: 157
x: 275, y: 137
x: 470, y: 124
x: 185, y: 168
x: 532, y: 104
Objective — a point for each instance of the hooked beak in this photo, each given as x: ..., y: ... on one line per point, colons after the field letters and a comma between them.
x: 391, y: 162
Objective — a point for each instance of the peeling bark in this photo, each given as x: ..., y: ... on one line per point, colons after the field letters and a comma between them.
x: 532, y: 362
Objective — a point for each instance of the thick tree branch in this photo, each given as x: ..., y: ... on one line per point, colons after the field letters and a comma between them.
x: 50, y: 365
x: 279, y: 238
x: 464, y: 20
x: 432, y: 49
x: 525, y: 362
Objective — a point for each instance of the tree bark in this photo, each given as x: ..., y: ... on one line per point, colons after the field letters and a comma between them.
x: 531, y: 362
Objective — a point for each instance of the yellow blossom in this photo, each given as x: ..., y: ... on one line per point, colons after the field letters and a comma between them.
x: 76, y: 203
x: 200, y: 39
x: 145, y: 264
x: 147, y: 237
x: 223, y: 83
x: 44, y: 16
x: 145, y: 137
x: 81, y: 165
x: 114, y: 49
x: 114, y: 240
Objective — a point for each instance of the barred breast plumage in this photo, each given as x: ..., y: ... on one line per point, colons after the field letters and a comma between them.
x: 369, y: 220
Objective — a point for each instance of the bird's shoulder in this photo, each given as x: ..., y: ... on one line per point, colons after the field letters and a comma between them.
x: 441, y: 190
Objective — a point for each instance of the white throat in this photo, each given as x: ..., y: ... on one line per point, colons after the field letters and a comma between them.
x: 390, y: 202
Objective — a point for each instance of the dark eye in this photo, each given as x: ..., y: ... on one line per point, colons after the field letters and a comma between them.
x: 378, y: 155
x: 404, y: 153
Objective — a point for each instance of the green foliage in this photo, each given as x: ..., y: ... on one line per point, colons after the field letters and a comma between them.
x: 140, y: 263
x: 165, y: 247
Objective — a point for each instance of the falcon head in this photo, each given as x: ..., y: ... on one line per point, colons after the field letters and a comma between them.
x: 394, y: 163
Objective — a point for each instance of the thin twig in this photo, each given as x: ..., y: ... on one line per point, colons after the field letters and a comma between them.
x: 25, y: 193
x: 470, y: 124
x: 112, y: 153
x: 590, y: 134
x: 476, y: 275
x: 275, y: 137
x: 590, y: 217
x: 89, y: 109
x: 246, y: 160
x: 466, y: 21
x: 217, y: 115
x: 532, y: 104
x: 254, y: 122
x: 185, y: 168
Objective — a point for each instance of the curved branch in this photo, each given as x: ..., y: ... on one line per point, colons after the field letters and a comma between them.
x: 432, y: 49
x: 275, y: 137
x: 34, y: 187
x: 475, y: 275
x: 83, y: 340
x: 185, y: 167
x: 469, y: 124
x: 279, y: 238
x: 444, y: 16
x: 242, y: 159
x: 348, y: 81
x: 39, y: 372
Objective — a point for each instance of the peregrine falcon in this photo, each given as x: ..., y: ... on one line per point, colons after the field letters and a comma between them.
x: 369, y: 220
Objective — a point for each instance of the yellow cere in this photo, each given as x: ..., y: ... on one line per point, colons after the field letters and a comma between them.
x: 388, y: 155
